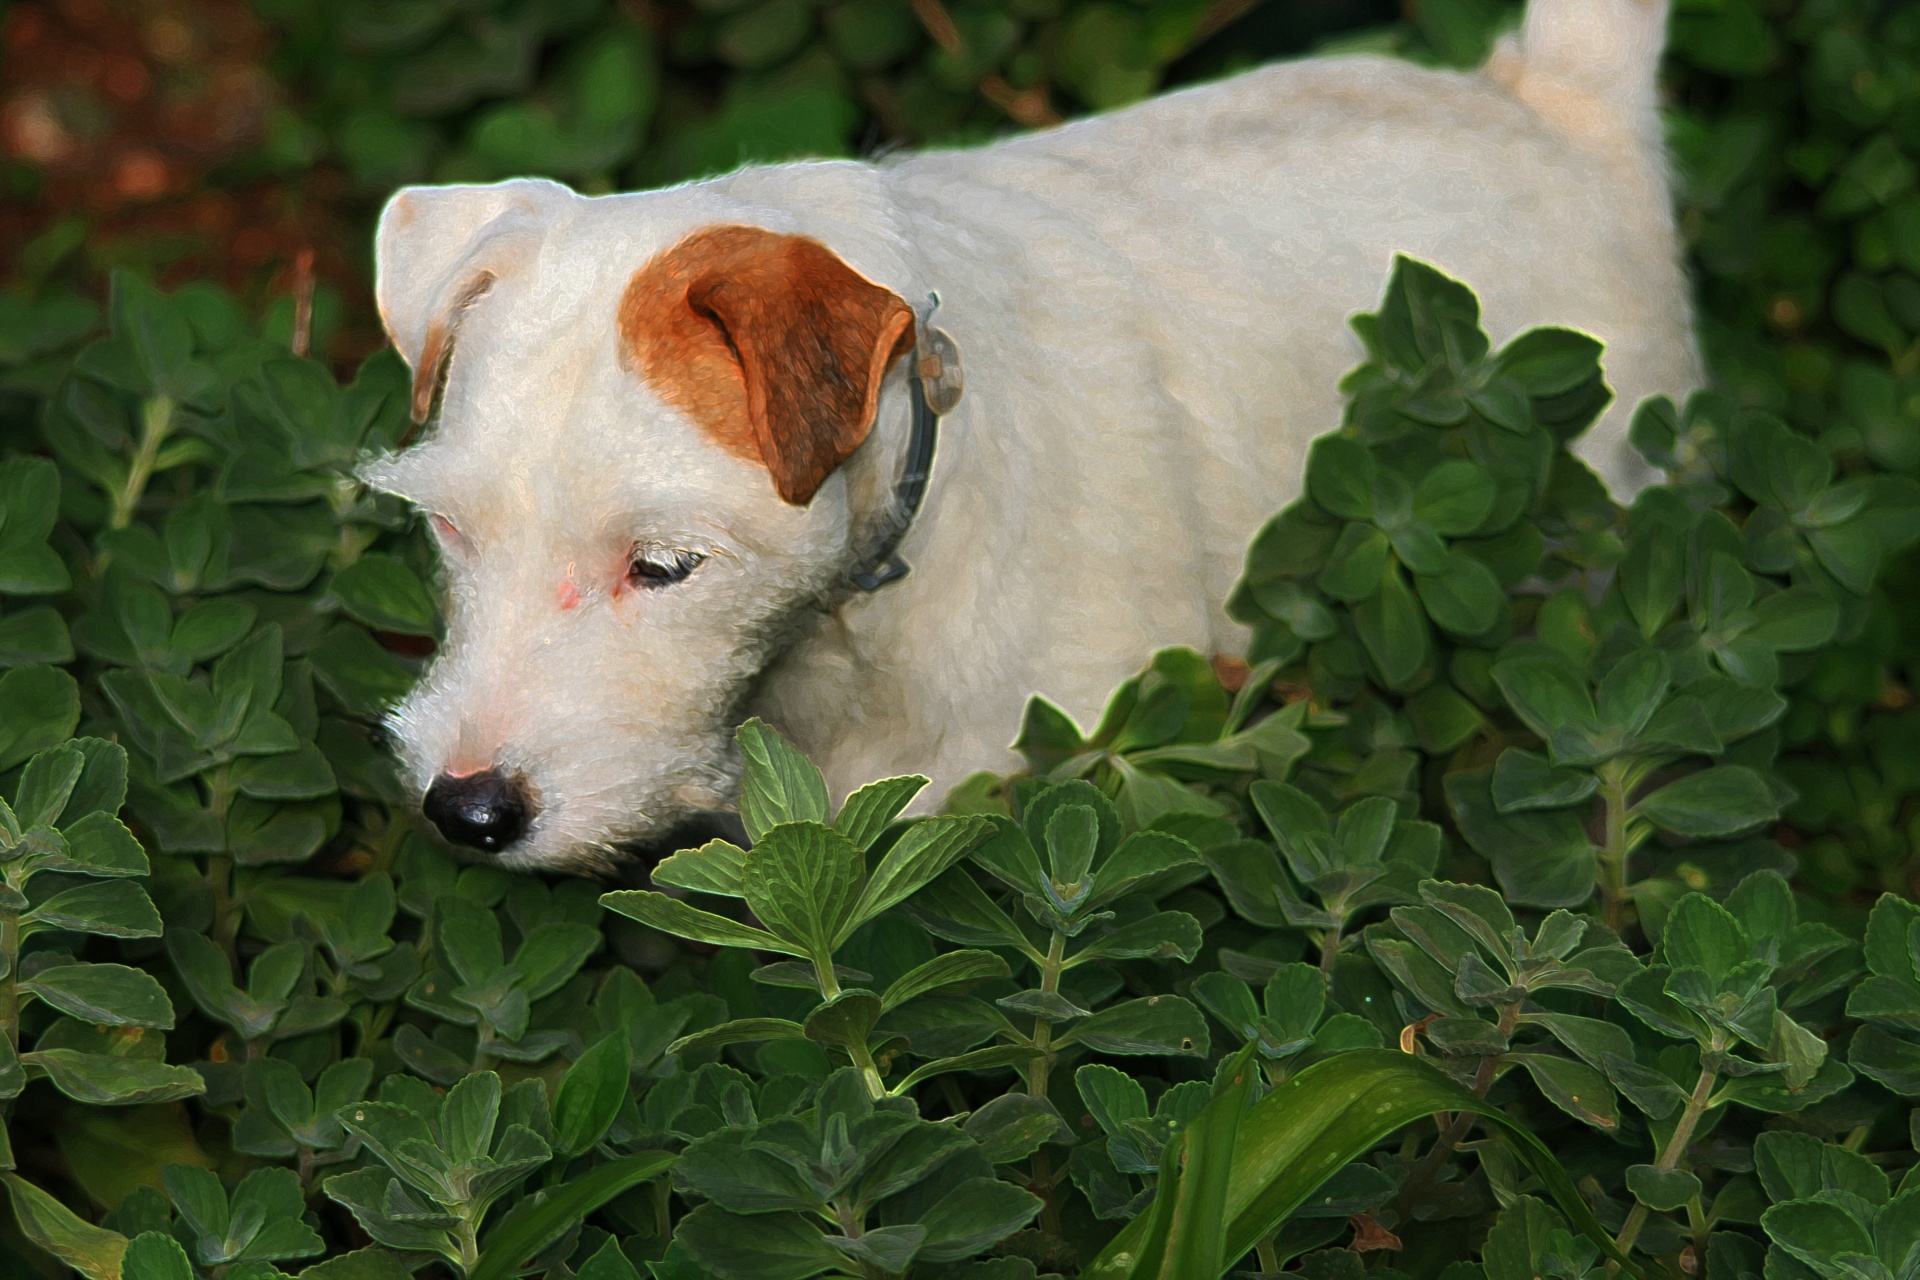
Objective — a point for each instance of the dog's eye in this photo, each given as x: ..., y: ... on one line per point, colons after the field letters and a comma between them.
x: 654, y: 567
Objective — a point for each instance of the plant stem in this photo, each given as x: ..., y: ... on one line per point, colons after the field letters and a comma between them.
x: 1450, y: 1137
x: 1671, y: 1153
x: 226, y: 911
x: 829, y: 980
x: 467, y: 1237
x: 1329, y: 948
x: 156, y: 423
x: 1037, y: 1073
x: 1614, y: 854
x: 869, y: 1070
x: 1050, y: 970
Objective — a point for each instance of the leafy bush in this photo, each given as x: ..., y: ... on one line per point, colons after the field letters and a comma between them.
x: 1167, y: 997
x: 1496, y: 826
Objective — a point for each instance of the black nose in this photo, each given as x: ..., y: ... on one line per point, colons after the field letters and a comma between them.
x: 485, y: 810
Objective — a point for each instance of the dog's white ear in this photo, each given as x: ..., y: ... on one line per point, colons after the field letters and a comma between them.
x: 771, y: 343
x: 439, y: 249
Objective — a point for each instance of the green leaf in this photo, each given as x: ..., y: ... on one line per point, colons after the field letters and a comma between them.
x: 590, y: 1095
x: 1816, y: 1231
x: 1576, y: 1088
x: 1151, y: 1024
x: 766, y: 1246
x: 608, y: 1264
x: 101, y: 1079
x: 117, y: 908
x: 1455, y: 497
x: 975, y: 1215
x: 952, y: 969
x: 545, y: 1215
x: 1340, y: 476
x: 846, y: 1020
x: 1393, y: 628
x: 868, y: 811
x: 923, y: 853
x: 45, y: 784
x: 1549, y: 361
x: 1013, y: 1126
x: 1195, y: 1244
x: 672, y: 916
x: 1000, y: 1055
x: 43, y: 706
x: 1464, y: 597
x: 740, y: 1031
x: 802, y: 880
x: 100, y: 845
x: 111, y: 993
x: 94, y: 1252
x: 154, y: 1255
x: 385, y: 594
x: 1165, y: 935
x: 1355, y: 564
x: 1316, y: 1122
x: 1523, y: 780
x: 778, y: 784
x: 1702, y: 934
x: 1719, y: 801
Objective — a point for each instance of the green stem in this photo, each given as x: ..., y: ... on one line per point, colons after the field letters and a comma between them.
x: 829, y: 980
x: 1450, y: 1137
x: 1671, y: 1153
x: 226, y: 909
x: 1042, y: 1163
x: 1050, y: 970
x: 467, y: 1239
x: 662, y: 1210
x: 1615, y: 852
x: 869, y: 1070
x: 1269, y: 1255
x: 156, y: 423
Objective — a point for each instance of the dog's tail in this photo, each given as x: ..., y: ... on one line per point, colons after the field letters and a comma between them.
x: 1587, y: 66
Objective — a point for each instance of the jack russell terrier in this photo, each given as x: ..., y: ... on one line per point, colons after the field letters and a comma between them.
x: 685, y: 441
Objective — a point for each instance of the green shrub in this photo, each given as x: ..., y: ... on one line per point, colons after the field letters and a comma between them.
x: 1482, y: 833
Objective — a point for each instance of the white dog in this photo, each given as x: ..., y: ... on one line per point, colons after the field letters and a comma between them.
x: 674, y: 431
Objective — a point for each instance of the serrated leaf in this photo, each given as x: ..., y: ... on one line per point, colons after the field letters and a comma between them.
x: 683, y: 921
x: 868, y: 811
x: 778, y: 784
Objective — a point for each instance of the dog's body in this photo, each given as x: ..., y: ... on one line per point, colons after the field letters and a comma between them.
x: 1151, y: 309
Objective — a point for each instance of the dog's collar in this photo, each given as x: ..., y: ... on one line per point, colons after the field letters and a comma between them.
x: 933, y: 388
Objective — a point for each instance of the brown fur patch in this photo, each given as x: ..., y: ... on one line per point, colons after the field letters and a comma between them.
x: 770, y: 343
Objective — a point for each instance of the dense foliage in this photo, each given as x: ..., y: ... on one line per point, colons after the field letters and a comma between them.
x: 1529, y: 809
x: 1467, y: 659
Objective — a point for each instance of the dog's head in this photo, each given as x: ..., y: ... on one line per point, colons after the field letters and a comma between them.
x: 635, y: 477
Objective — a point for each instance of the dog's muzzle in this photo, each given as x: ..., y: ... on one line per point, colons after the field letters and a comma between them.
x: 486, y: 810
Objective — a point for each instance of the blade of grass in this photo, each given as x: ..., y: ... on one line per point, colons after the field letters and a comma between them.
x: 539, y: 1220
x: 1303, y: 1132
x: 1195, y: 1240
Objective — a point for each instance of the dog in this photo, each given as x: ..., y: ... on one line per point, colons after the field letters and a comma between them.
x: 679, y: 460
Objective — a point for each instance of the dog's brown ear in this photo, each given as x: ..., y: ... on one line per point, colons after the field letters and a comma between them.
x: 770, y: 343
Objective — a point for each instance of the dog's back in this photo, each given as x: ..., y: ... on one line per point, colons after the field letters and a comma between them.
x: 1153, y: 305
x: 1255, y: 216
